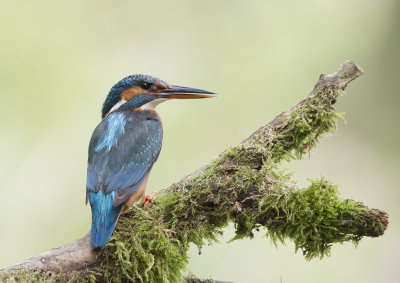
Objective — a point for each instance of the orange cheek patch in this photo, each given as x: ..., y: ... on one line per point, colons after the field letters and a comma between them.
x: 130, y: 93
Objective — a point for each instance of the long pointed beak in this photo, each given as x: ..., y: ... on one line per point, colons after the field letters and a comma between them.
x: 182, y: 92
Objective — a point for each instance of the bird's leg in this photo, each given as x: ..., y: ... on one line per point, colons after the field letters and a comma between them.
x: 148, y: 199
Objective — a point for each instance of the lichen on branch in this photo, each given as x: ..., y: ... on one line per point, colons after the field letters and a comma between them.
x: 245, y: 186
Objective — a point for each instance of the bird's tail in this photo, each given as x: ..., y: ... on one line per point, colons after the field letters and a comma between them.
x: 104, y: 217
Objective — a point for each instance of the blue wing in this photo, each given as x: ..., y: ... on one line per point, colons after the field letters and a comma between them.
x: 122, y: 151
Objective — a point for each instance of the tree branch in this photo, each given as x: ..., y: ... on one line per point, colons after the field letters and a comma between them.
x: 244, y: 185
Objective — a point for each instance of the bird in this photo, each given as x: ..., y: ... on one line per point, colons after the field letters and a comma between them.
x: 124, y: 147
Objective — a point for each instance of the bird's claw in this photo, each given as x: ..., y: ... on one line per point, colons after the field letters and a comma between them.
x: 148, y: 199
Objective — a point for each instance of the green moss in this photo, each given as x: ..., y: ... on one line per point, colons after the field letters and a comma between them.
x: 144, y: 250
x: 301, y: 130
x: 92, y: 278
x: 313, y: 219
x: 21, y: 275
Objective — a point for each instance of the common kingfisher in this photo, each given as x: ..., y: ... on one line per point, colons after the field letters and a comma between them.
x: 124, y: 147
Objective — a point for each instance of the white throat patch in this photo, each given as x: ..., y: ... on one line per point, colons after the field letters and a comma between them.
x: 148, y: 106
x: 116, y: 106
x: 152, y: 104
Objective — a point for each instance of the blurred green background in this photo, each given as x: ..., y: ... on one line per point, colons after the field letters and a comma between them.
x: 59, y: 60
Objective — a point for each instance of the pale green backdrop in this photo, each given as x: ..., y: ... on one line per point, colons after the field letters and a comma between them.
x: 59, y: 59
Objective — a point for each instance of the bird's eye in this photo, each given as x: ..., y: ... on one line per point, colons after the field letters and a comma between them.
x: 145, y: 86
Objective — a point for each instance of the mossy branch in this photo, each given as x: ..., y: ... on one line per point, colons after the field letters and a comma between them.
x: 244, y: 185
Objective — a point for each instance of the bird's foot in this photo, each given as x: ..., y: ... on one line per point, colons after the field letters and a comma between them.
x: 148, y: 199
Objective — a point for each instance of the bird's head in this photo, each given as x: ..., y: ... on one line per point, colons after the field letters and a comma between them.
x: 139, y: 90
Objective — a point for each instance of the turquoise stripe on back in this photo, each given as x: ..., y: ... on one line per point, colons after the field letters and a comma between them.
x: 115, y: 127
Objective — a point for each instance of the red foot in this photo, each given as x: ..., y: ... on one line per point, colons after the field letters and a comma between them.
x: 148, y: 199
